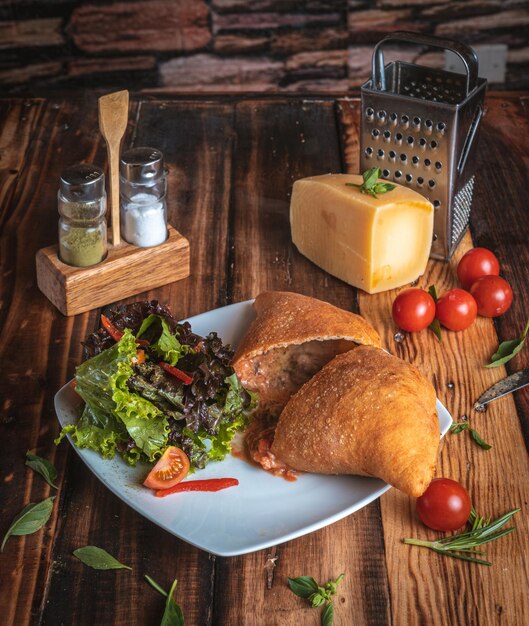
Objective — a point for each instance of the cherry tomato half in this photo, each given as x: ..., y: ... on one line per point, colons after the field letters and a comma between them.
x: 476, y: 263
x: 169, y: 470
x: 456, y: 310
x: 445, y: 505
x: 413, y: 310
x: 493, y: 295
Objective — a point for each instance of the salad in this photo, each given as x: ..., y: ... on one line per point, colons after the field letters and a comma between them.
x: 149, y: 384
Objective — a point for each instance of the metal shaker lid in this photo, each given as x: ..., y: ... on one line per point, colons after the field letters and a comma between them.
x: 82, y: 182
x: 141, y: 166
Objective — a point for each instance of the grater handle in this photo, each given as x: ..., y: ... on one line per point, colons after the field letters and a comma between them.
x: 464, y: 52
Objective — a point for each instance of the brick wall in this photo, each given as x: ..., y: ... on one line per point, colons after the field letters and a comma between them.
x: 236, y: 45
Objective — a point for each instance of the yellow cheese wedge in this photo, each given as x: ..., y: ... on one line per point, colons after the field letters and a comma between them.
x: 372, y: 243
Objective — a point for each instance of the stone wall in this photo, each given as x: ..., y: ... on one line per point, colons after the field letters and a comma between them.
x: 223, y: 46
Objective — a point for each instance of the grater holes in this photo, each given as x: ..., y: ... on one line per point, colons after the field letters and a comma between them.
x: 433, y: 144
x: 375, y: 133
x: 368, y: 152
x: 393, y: 117
x: 404, y: 121
x: 434, y: 238
x: 385, y: 173
x: 381, y: 116
x: 427, y: 162
x: 415, y: 160
x: 431, y: 183
x: 441, y: 128
x: 392, y: 155
x: 438, y: 165
x: 420, y: 181
x: 422, y: 143
x: 380, y: 153
x: 410, y: 140
x: 416, y: 123
x: 398, y: 174
x: 387, y: 135
x: 370, y: 112
x: 409, y: 178
x: 436, y: 204
x: 398, y: 138
x: 403, y: 157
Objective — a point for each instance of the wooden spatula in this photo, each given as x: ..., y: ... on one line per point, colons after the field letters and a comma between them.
x: 113, y: 117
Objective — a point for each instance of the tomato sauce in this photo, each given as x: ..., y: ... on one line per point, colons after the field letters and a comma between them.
x: 210, y: 484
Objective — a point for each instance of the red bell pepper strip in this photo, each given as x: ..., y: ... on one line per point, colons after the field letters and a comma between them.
x: 174, y: 371
x: 211, y: 484
x: 111, y: 329
x: 116, y: 334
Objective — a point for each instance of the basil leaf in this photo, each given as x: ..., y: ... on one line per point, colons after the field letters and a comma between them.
x: 30, y: 519
x: 303, y: 586
x: 155, y: 585
x: 370, y: 177
x: 97, y: 558
x: 328, y: 615
x: 458, y: 427
x: 479, y: 440
x: 42, y: 467
x: 507, y: 350
x: 435, y: 327
x: 433, y: 292
x: 172, y: 616
x: 383, y: 187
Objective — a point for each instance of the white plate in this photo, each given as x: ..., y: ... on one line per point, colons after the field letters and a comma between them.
x: 263, y: 510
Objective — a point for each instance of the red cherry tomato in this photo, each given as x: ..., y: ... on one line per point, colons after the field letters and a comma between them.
x: 456, y: 310
x: 169, y: 470
x: 493, y: 295
x: 476, y: 263
x: 413, y: 310
x: 445, y: 505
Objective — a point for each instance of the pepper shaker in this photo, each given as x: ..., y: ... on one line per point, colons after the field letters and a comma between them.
x: 143, y: 186
x: 82, y: 205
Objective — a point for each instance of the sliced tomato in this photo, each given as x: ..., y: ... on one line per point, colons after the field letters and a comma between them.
x: 169, y: 470
x: 140, y: 357
x: 174, y: 371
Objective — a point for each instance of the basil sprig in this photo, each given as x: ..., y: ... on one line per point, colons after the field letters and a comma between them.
x: 42, y: 467
x: 371, y: 185
x: 306, y: 587
x: 507, y: 350
x: 30, y: 519
x: 97, y: 558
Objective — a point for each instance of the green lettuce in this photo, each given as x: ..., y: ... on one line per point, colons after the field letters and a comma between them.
x: 113, y: 414
x: 167, y: 346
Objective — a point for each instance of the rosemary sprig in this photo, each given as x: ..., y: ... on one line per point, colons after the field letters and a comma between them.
x: 464, y: 545
x: 371, y: 185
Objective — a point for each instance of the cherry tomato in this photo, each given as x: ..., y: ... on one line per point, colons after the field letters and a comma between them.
x: 493, y: 295
x: 445, y: 505
x: 413, y: 310
x: 169, y: 470
x: 456, y: 310
x: 476, y: 263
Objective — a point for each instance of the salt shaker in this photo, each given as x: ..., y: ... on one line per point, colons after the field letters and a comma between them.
x: 82, y: 203
x: 143, y: 185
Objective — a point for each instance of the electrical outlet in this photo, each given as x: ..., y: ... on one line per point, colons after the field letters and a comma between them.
x: 492, y: 62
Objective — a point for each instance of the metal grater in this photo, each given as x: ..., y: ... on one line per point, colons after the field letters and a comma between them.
x: 420, y: 126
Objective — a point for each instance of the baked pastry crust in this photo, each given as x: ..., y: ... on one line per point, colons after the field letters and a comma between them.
x: 368, y: 413
x: 292, y: 337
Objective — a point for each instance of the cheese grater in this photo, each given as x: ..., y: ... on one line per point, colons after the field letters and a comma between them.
x: 420, y: 127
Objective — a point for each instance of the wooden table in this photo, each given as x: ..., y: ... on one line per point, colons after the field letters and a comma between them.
x: 232, y: 163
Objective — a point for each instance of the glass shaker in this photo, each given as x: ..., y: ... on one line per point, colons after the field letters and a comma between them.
x: 143, y: 185
x: 82, y: 204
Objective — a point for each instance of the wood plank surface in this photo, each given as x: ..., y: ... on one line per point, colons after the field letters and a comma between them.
x: 231, y: 164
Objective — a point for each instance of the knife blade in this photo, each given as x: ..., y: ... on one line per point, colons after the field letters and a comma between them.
x: 502, y: 388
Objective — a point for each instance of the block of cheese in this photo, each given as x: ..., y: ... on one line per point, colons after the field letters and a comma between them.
x: 372, y: 243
